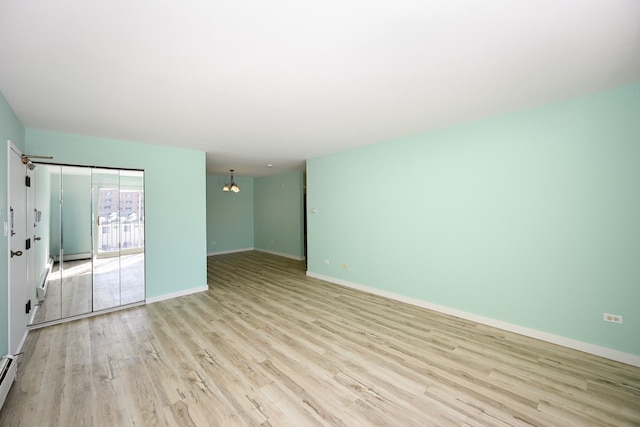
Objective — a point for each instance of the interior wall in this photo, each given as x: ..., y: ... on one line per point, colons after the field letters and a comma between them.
x: 267, y: 215
x: 278, y: 223
x: 175, y: 201
x: 10, y: 129
x: 530, y: 218
x: 229, y: 215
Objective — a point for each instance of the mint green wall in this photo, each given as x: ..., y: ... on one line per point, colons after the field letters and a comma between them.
x: 76, y: 208
x: 229, y: 215
x: 267, y: 209
x: 175, y: 207
x: 532, y: 218
x: 10, y: 128
x: 278, y: 201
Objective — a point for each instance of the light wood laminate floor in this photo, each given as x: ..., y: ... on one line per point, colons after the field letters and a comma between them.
x: 268, y: 346
x: 92, y: 285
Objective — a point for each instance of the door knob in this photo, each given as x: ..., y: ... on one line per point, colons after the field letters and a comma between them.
x: 16, y: 253
x: 37, y: 238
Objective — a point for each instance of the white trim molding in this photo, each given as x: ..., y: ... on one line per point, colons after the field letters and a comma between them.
x: 297, y: 258
x: 232, y: 251
x: 619, y: 356
x: 177, y: 294
x: 282, y: 254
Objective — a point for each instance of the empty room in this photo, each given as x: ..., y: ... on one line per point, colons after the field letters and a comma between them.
x: 353, y: 213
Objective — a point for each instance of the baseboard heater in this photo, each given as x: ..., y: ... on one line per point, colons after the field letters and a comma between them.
x: 7, y: 376
x: 41, y: 291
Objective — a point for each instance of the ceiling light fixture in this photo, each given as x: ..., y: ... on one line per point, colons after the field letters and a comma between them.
x: 232, y: 186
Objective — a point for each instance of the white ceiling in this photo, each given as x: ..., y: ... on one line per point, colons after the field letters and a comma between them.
x: 253, y: 82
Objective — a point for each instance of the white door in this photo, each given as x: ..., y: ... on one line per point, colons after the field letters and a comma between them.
x: 31, y: 219
x: 17, y: 250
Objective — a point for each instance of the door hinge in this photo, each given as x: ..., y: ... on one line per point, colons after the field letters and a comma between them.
x: 27, y: 181
x: 27, y: 307
x: 27, y: 244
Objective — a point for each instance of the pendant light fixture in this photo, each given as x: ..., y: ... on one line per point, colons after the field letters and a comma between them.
x: 231, y: 186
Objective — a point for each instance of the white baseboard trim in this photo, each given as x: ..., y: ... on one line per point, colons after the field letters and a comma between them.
x: 75, y: 257
x: 24, y: 338
x: 232, y: 251
x: 619, y: 356
x: 297, y: 258
x: 178, y: 294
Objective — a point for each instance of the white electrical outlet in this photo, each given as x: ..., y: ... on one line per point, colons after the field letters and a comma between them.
x: 613, y: 318
x: 326, y: 262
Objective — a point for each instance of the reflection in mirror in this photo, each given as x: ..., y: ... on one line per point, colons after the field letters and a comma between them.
x: 90, y: 253
x: 47, y: 259
x: 132, y: 236
x: 75, y: 251
x: 106, y: 240
x: 41, y: 184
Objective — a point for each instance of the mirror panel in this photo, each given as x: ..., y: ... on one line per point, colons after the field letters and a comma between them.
x: 132, y: 273
x: 77, y: 263
x: 47, y: 188
x: 106, y: 272
x: 90, y: 248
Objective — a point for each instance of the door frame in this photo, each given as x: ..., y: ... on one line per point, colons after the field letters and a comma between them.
x: 17, y: 298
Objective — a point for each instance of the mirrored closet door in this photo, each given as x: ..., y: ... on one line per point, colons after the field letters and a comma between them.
x: 89, y: 240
